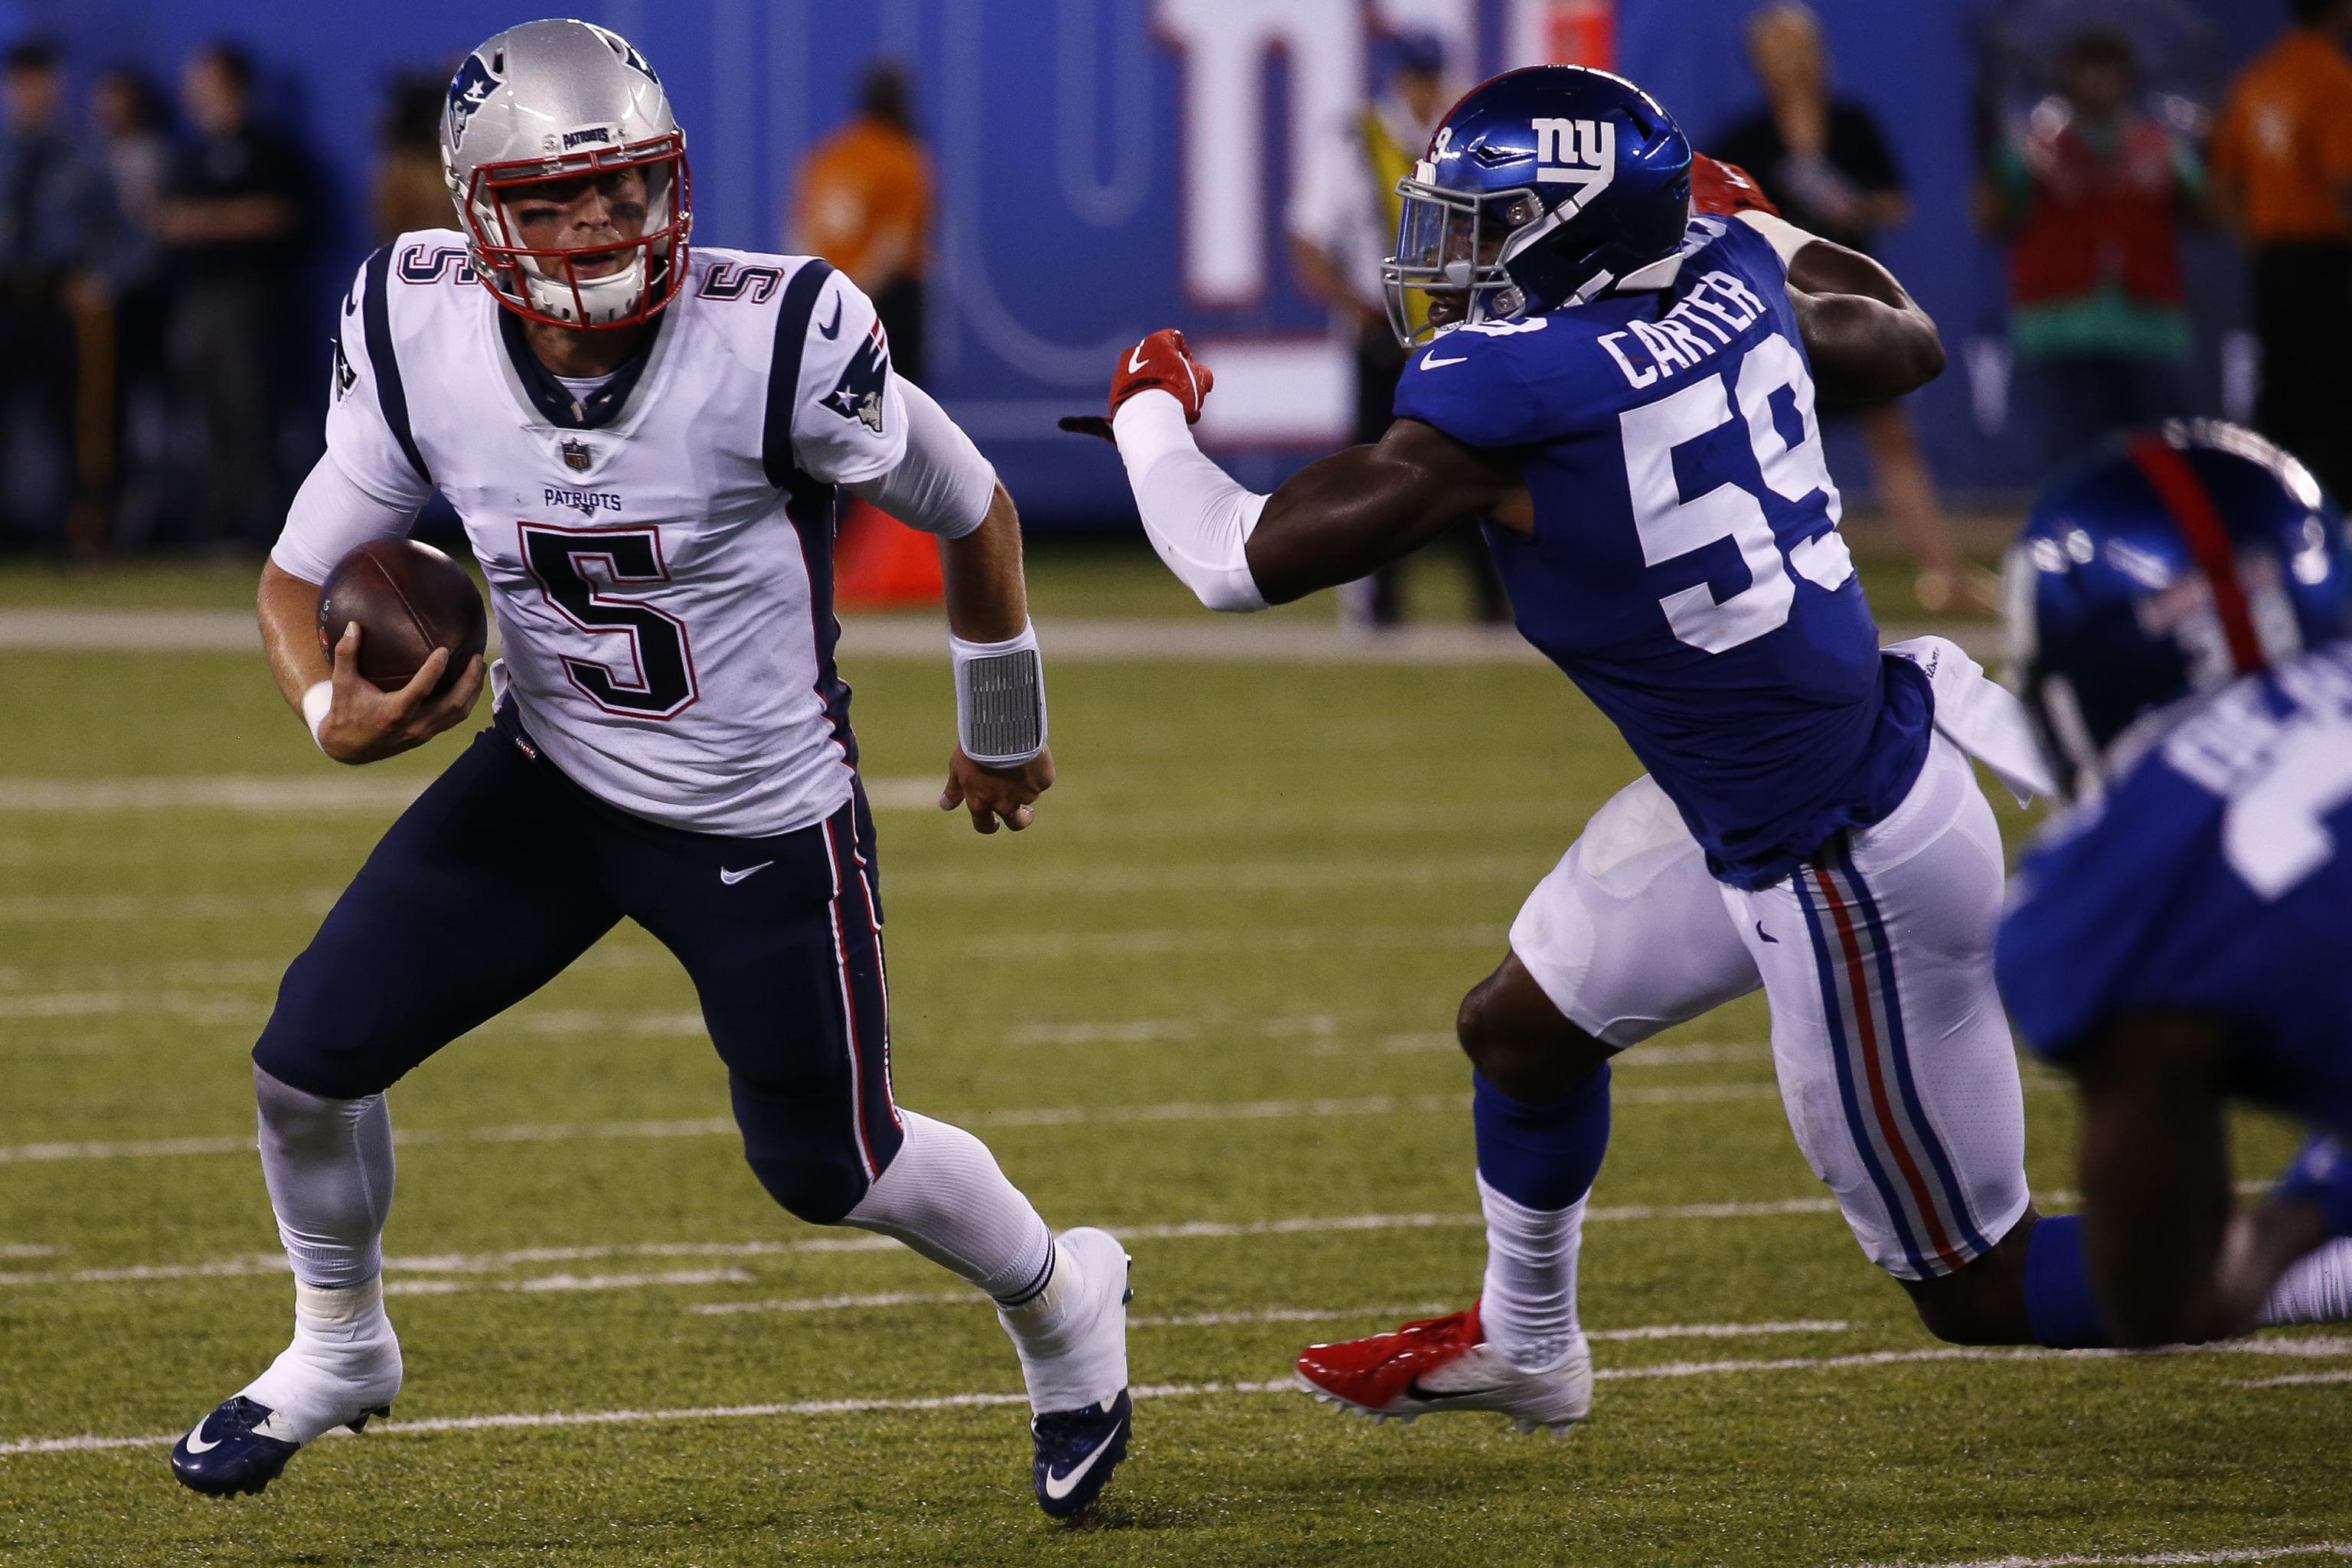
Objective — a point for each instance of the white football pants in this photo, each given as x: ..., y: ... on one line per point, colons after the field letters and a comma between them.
x: 1888, y: 1038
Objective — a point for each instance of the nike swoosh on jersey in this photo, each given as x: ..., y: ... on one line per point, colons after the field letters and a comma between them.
x: 731, y: 878
x: 1431, y: 361
x: 1059, y: 1486
x: 195, y: 1439
x: 833, y: 329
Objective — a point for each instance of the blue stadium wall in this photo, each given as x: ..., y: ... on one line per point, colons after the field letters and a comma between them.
x: 1079, y: 147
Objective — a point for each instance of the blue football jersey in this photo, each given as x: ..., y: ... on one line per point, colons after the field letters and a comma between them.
x: 1685, y: 569
x: 2216, y: 877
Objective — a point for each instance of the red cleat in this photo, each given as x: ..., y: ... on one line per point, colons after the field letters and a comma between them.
x: 1444, y: 1363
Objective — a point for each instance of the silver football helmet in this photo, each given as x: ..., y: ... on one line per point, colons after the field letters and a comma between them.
x: 561, y: 100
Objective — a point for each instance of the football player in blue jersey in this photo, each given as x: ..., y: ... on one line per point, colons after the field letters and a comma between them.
x: 1624, y: 394
x: 2183, y: 938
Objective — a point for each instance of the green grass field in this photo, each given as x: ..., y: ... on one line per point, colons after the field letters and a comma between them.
x: 1206, y: 1003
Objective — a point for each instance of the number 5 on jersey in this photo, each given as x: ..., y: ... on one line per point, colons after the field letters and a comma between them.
x: 656, y: 680
x: 1670, y: 527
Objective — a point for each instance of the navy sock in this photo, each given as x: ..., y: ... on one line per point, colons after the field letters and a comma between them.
x: 2058, y: 1297
x: 1543, y: 1156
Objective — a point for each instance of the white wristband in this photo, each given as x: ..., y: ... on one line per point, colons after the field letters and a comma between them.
x: 316, y: 701
x: 1000, y: 699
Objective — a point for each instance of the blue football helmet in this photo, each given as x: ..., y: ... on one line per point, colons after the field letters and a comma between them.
x: 1543, y: 187
x: 2157, y: 568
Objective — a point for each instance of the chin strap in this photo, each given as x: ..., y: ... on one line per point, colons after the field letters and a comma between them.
x: 555, y: 297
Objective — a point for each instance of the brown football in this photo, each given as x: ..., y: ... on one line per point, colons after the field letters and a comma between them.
x: 409, y: 599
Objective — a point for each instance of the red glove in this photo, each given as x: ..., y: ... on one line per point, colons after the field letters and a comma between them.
x: 1726, y: 188
x: 1163, y: 361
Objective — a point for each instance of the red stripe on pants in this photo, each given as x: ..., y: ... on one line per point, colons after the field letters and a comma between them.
x: 1866, y: 1024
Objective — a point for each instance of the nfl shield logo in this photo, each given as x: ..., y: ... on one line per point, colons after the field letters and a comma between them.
x: 575, y: 454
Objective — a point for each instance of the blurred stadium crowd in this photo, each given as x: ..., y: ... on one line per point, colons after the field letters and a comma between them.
x: 154, y: 397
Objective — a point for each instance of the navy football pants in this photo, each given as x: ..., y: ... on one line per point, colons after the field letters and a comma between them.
x: 504, y: 872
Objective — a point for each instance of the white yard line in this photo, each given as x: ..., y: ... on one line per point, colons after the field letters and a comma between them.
x: 1200, y: 639
x: 2299, y: 1379
x: 190, y: 1006
x: 115, y: 909
x: 1670, y: 1370
x: 2149, y: 1559
x: 321, y: 795
x: 548, y: 1282
x: 132, y: 977
x: 267, y: 1263
x: 1386, y: 1314
x: 1037, y: 1116
x: 129, y: 631
x: 300, y: 794
x: 1137, y: 1031
x: 842, y: 1303
x: 1259, y: 877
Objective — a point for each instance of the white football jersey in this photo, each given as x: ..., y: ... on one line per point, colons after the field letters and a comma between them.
x: 659, y: 552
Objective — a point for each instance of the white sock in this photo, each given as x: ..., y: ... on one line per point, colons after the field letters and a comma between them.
x: 2316, y: 1289
x: 1044, y: 1326
x: 344, y: 1360
x: 945, y: 1196
x: 1070, y: 1358
x: 1528, y: 1309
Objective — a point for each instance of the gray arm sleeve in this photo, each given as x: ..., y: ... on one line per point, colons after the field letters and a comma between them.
x: 943, y: 485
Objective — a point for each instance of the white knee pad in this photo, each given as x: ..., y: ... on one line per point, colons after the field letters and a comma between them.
x: 1629, y: 935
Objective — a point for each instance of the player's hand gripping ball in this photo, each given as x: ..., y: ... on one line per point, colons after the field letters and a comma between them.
x: 409, y: 599
x: 1160, y: 362
x: 1726, y: 188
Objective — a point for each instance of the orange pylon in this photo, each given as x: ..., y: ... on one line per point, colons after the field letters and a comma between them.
x: 880, y: 563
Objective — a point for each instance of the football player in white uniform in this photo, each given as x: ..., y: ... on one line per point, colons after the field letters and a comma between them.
x: 646, y: 446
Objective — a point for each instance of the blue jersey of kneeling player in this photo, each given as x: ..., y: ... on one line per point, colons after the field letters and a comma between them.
x: 1685, y: 569
x: 2216, y: 877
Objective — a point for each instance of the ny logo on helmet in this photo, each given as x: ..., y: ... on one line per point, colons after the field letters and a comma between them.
x: 1576, y: 153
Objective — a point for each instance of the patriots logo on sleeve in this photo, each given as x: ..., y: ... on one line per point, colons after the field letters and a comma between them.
x: 859, y: 393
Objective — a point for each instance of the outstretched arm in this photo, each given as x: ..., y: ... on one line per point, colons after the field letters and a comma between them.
x: 1355, y: 511
x: 1329, y: 524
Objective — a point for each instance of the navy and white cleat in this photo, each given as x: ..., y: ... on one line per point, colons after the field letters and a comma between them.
x: 235, y: 1450
x: 1084, y: 1417
x: 1077, y: 1451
